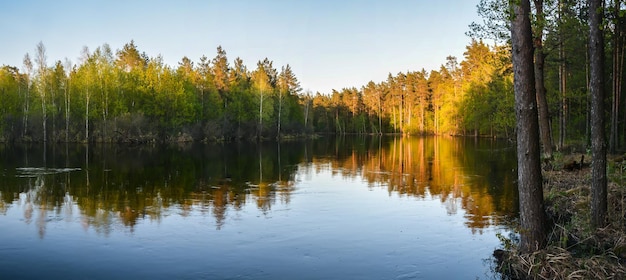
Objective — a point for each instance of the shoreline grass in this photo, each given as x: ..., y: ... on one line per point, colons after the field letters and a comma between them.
x: 575, y: 250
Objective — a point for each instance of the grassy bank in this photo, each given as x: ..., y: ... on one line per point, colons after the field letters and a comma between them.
x: 575, y: 250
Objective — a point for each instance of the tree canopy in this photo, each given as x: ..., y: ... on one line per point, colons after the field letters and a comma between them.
x: 125, y: 95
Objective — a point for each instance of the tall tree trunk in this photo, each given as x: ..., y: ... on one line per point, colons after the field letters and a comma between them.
x: 380, y: 113
x: 40, y: 59
x: 542, y: 103
x: 422, y: 118
x: 260, y: 116
x: 620, y: 78
x: 562, y: 89
x: 280, y: 111
x: 67, y: 111
x: 587, y: 100
x: 618, y: 61
x: 54, y: 117
x: 401, y: 116
x: 562, y: 83
x: 395, y: 124
x: 26, y: 107
x: 436, y: 119
x: 306, y: 112
x: 44, y: 112
x: 598, y: 143
x: 53, y: 102
x: 105, y: 108
x: 532, y: 215
x: 87, y: 118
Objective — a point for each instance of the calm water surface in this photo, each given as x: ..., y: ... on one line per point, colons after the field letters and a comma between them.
x: 345, y: 208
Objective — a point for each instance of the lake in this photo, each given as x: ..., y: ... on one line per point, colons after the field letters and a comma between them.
x: 331, y: 208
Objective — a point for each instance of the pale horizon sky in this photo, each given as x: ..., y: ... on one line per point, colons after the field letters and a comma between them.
x: 328, y: 44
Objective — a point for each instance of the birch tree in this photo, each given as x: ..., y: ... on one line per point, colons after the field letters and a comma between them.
x: 40, y: 60
x: 28, y: 71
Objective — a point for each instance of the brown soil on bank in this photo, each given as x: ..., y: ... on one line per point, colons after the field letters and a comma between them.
x: 575, y: 250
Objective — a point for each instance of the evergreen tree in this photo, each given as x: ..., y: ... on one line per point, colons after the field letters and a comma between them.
x: 532, y: 216
x: 598, y: 141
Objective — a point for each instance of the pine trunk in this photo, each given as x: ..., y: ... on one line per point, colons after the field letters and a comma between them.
x: 280, y: 111
x: 260, y: 116
x: 67, y: 112
x: 542, y: 103
x: 532, y: 215
x: 598, y: 142
x: 45, y: 116
x: 618, y: 61
x: 562, y: 84
x: 87, y: 118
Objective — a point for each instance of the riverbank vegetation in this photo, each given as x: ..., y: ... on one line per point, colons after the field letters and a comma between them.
x: 570, y: 226
x: 575, y: 249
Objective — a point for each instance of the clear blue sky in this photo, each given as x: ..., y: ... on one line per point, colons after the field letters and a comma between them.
x: 329, y: 44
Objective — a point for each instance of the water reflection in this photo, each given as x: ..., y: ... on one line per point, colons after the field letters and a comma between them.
x: 105, y: 186
x: 475, y: 175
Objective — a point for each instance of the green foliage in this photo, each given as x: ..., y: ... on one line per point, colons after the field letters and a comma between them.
x: 10, y: 99
x: 508, y: 243
x: 111, y: 93
x: 128, y: 96
x: 496, y: 18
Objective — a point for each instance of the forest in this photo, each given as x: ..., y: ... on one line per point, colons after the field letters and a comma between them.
x: 128, y: 96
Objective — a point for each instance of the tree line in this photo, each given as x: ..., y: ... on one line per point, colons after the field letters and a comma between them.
x: 127, y: 96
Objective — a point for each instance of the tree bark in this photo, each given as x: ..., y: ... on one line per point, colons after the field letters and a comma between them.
x: 280, y: 111
x: 562, y: 89
x: 532, y: 215
x: 40, y: 59
x: 618, y: 62
x: 28, y: 66
x: 542, y: 103
x: 68, y: 68
x: 67, y: 109
x: 260, y: 133
x: 598, y: 141
x: 87, y: 117
x: 44, y: 113
x: 562, y: 81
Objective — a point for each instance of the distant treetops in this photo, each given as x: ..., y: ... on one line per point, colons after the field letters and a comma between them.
x: 127, y: 96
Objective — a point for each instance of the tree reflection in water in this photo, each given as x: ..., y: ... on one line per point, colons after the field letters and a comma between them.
x: 110, y: 185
